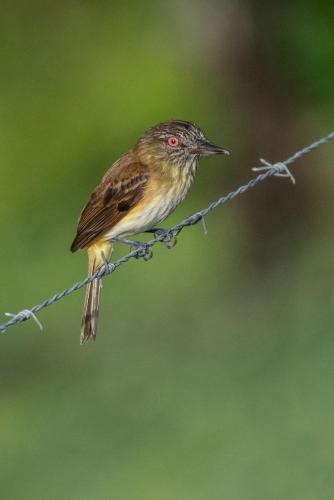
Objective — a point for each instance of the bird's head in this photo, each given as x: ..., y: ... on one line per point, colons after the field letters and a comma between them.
x: 177, y: 142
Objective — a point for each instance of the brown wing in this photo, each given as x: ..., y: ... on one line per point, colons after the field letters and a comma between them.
x: 121, y: 189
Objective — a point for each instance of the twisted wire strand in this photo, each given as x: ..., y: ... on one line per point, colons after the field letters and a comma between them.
x: 278, y: 169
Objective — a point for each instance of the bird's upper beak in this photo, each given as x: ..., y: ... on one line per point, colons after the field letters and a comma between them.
x: 207, y: 148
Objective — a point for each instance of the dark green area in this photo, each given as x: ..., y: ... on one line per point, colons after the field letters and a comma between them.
x: 212, y: 376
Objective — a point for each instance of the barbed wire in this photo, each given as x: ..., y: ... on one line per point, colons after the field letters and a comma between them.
x: 143, y: 250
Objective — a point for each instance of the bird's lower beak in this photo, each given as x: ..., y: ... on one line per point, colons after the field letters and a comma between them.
x: 207, y: 148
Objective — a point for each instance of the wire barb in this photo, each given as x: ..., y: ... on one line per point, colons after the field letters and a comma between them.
x: 23, y: 316
x: 204, y: 225
x: 280, y: 169
x: 168, y: 236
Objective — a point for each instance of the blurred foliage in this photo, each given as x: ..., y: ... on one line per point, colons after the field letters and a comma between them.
x: 212, y: 374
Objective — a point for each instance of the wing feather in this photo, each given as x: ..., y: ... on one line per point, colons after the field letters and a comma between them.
x: 120, y: 189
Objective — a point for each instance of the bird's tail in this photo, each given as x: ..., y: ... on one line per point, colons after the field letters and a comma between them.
x: 93, y: 290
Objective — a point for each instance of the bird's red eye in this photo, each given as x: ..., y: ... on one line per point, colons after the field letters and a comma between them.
x: 173, y: 141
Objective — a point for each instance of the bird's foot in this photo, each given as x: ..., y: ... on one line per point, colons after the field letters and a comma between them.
x: 144, y: 250
x: 166, y: 236
x: 106, y: 267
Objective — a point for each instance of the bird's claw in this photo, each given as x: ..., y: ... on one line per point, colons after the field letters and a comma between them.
x: 105, y: 267
x: 144, y: 252
x: 166, y: 236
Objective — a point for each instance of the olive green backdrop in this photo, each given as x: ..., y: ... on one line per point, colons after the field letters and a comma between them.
x: 212, y: 376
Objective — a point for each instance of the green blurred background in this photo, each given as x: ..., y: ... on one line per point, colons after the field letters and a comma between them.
x: 212, y: 376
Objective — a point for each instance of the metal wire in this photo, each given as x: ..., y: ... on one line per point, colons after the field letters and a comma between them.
x: 167, y: 237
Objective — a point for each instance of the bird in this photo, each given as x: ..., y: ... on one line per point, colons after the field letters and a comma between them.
x: 139, y: 191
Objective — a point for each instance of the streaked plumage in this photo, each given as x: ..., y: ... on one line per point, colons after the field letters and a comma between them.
x: 136, y: 194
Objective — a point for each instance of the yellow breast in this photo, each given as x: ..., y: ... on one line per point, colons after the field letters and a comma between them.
x: 166, y: 188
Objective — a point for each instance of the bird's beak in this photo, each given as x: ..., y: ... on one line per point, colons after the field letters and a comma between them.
x: 207, y: 148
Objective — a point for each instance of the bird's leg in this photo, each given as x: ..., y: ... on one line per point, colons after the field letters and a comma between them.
x: 106, y: 262
x: 130, y: 243
x: 167, y: 236
x: 145, y: 250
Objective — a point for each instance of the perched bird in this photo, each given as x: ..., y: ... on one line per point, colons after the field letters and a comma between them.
x: 138, y: 192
